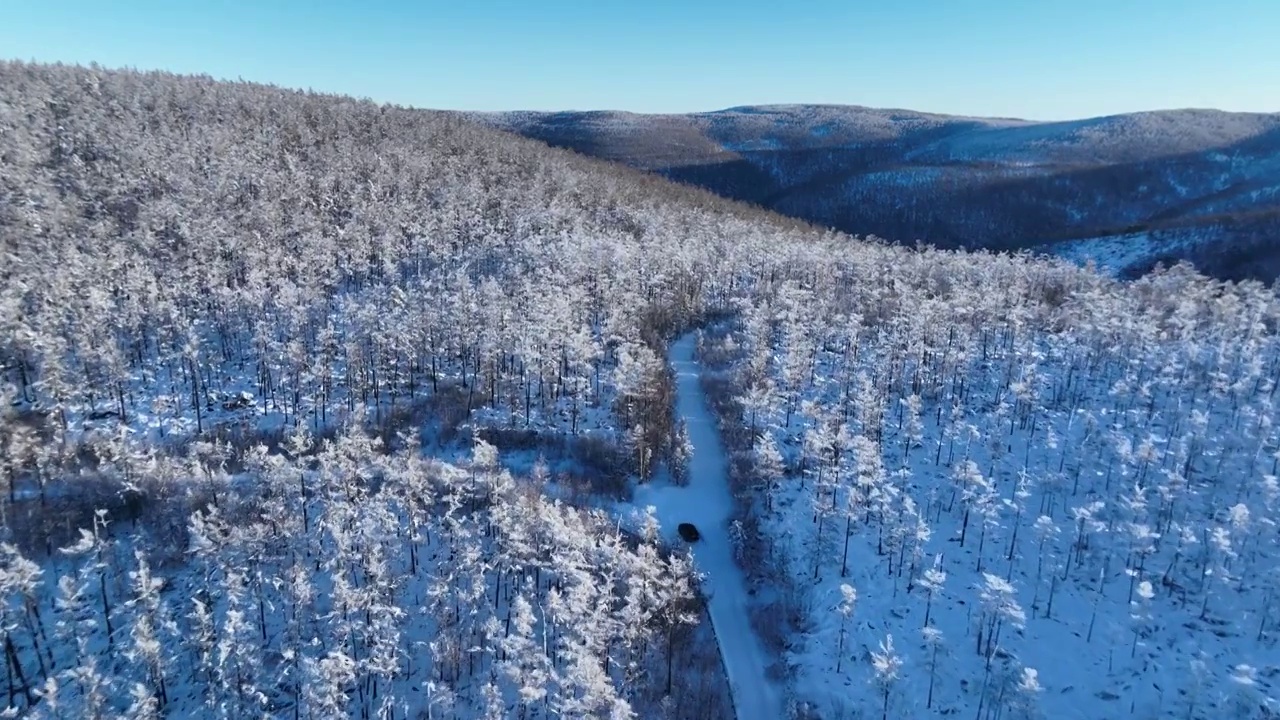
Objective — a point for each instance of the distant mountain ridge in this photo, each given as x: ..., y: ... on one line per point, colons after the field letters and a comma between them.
x: 954, y: 181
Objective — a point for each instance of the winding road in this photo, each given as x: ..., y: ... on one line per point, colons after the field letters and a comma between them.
x: 707, y: 503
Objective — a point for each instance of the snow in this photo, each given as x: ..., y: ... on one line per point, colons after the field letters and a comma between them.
x: 1110, y: 253
x: 707, y: 503
x: 1115, y: 254
x: 762, y: 144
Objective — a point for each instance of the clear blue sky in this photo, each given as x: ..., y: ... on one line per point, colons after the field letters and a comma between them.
x: 1042, y: 59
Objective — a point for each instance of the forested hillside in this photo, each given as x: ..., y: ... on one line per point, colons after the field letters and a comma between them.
x: 318, y: 408
x: 231, y: 317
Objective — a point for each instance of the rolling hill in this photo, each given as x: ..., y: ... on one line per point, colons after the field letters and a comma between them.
x: 1210, y: 177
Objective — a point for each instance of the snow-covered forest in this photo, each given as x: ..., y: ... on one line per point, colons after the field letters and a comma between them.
x: 318, y: 408
x: 990, y: 487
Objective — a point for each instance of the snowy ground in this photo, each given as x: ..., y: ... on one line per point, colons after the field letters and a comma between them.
x: 1115, y: 254
x: 706, y: 502
x: 1112, y: 254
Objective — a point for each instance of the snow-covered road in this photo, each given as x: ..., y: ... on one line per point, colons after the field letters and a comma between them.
x: 707, y: 503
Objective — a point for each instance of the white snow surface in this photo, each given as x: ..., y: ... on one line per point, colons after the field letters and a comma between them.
x: 1111, y: 254
x: 1114, y: 254
x: 707, y: 503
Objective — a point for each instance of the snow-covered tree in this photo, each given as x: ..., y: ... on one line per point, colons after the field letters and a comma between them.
x: 848, y: 598
x: 887, y: 666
